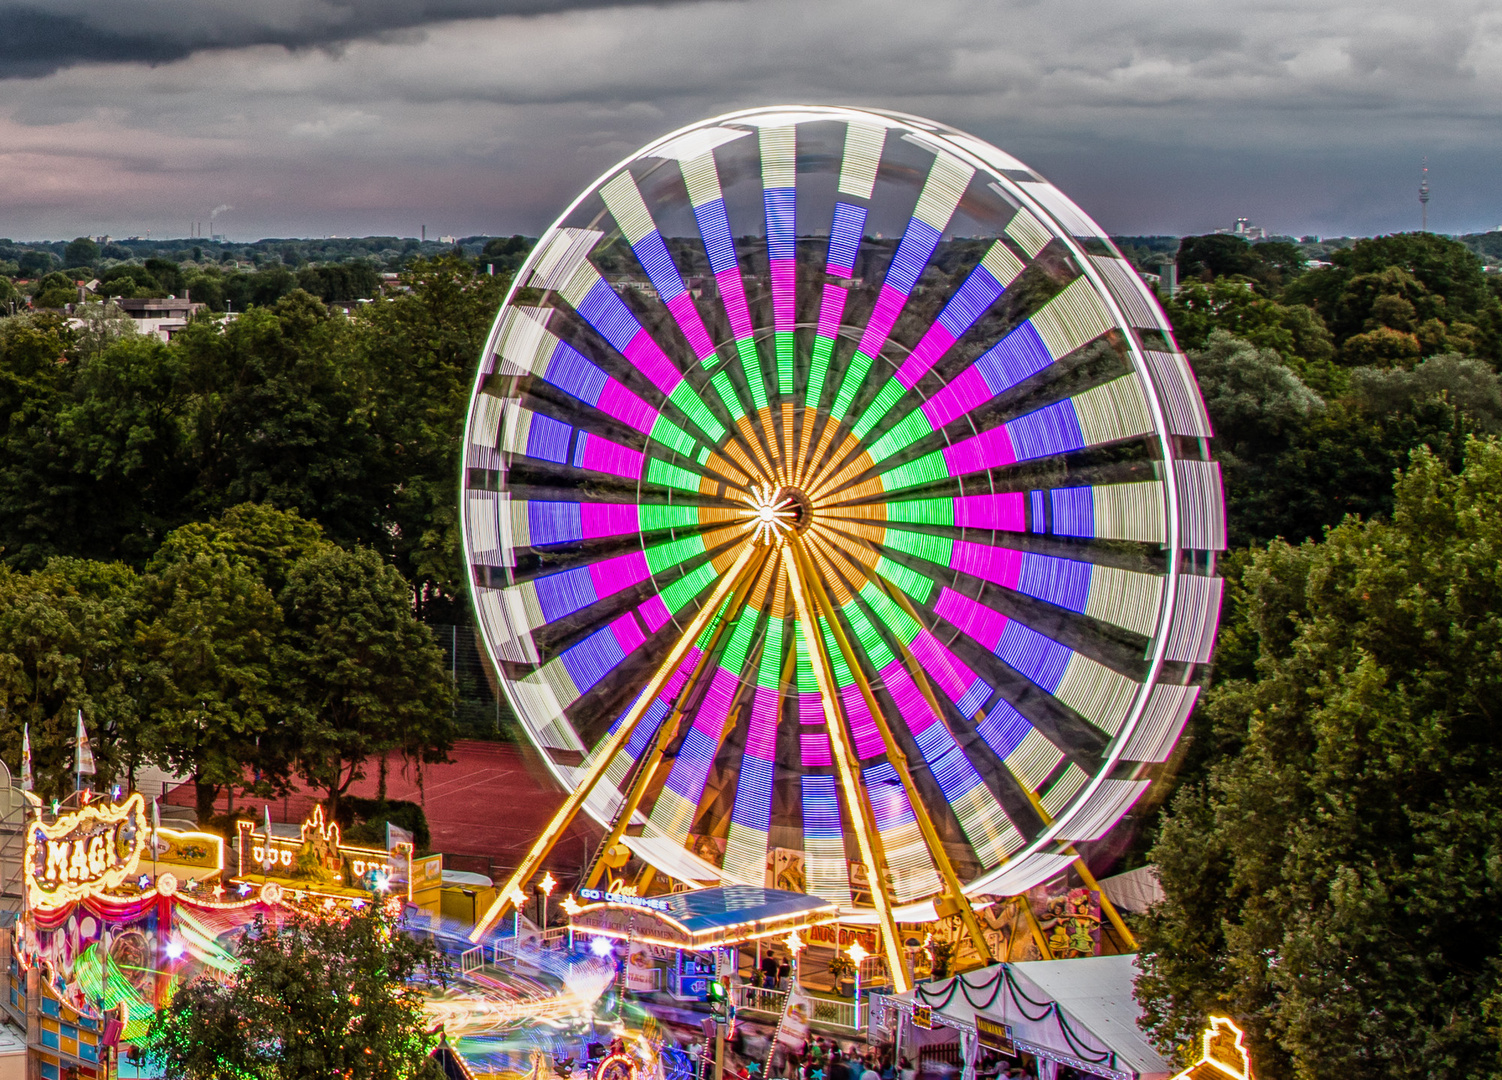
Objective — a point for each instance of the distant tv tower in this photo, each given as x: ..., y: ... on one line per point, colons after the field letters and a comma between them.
x: 1424, y: 197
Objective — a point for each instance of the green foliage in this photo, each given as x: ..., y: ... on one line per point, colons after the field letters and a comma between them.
x: 210, y: 680
x: 1333, y: 882
x: 361, y: 676
x: 67, y: 644
x: 365, y: 820
x: 312, y: 997
x: 1222, y: 255
x: 81, y: 252
x: 1391, y: 299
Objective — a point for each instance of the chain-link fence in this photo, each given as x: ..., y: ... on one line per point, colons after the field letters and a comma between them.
x: 479, y: 712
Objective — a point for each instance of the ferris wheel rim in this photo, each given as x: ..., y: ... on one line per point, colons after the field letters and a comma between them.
x: 1058, y: 230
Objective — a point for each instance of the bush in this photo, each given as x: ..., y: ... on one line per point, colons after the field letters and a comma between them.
x: 364, y: 820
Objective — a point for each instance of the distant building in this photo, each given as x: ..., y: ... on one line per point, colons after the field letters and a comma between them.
x: 160, y: 317
x: 1245, y: 229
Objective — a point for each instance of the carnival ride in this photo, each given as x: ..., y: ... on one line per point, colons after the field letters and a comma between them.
x: 834, y: 491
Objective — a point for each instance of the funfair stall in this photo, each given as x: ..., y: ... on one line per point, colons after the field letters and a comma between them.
x: 1076, y: 1013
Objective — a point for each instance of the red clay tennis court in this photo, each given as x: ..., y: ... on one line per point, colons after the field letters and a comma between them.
x: 484, y: 808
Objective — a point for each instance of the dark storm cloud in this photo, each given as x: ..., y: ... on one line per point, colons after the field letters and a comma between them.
x: 35, y: 42
x: 466, y: 116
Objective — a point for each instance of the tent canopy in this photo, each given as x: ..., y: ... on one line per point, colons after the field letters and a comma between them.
x: 703, y: 918
x: 1080, y: 1013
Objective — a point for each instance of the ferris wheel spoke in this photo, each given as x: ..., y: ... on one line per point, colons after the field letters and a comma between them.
x: 1029, y: 756
x: 1125, y: 598
x: 990, y: 831
x: 677, y: 805
x: 942, y: 190
x: 1107, y: 413
x: 564, y: 268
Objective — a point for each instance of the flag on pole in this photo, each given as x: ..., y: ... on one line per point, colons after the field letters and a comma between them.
x: 395, y: 834
x: 26, y: 781
x: 269, y: 856
x: 83, y: 756
x: 156, y: 818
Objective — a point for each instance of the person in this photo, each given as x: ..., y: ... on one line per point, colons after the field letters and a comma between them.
x: 870, y: 1073
x: 908, y: 1072
x: 783, y: 972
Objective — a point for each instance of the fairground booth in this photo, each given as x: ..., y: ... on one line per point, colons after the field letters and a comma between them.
x: 119, y: 911
x: 1078, y: 1014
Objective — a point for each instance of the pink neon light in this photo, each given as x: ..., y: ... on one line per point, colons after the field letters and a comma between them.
x: 627, y: 633
x: 648, y: 358
x: 733, y: 296
x: 609, y: 519
x: 888, y: 307
x: 935, y: 344
x: 941, y: 665
x: 1001, y: 565
x: 810, y: 709
x: 784, y: 285
x: 761, y: 733
x: 984, y: 451
x: 965, y: 392
x: 1006, y: 511
x: 673, y: 685
x: 862, y: 728
x: 832, y: 310
x: 692, y: 325
x: 977, y: 620
x: 910, y: 703
x: 617, y: 401
x: 654, y: 613
x: 602, y: 455
x: 816, y: 749
x: 610, y: 576
x: 710, y: 719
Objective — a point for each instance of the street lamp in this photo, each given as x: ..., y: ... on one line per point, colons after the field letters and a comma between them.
x: 857, y: 953
x: 547, y: 885
x: 795, y: 946
x: 571, y: 907
x: 517, y: 898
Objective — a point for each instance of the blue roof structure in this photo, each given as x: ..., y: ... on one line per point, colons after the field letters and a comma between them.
x: 703, y: 918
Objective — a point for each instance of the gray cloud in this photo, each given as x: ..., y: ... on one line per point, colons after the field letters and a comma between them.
x: 38, y: 41
x: 1156, y: 116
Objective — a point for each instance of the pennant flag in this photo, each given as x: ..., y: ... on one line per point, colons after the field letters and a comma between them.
x: 83, y: 756
x: 26, y: 780
x: 156, y: 817
x: 270, y: 858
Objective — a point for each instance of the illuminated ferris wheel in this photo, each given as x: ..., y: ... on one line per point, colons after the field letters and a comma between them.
x: 838, y: 511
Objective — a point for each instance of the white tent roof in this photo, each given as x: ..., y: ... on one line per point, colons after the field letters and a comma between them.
x: 1080, y: 1012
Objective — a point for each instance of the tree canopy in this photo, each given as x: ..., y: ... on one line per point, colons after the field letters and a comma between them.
x: 1332, y: 882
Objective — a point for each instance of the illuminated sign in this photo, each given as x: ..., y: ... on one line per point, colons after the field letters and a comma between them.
x: 320, y: 848
x: 1224, y: 1055
x: 994, y: 1035
x: 923, y: 1017
x: 84, y: 853
x: 616, y: 1067
x: 630, y: 899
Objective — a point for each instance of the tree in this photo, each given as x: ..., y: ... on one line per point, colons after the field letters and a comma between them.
x: 1333, y: 883
x: 210, y: 681
x: 418, y: 352
x: 363, y: 676
x: 312, y: 997
x: 81, y: 252
x: 65, y: 646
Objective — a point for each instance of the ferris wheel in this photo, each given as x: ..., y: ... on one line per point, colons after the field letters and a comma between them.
x: 838, y: 512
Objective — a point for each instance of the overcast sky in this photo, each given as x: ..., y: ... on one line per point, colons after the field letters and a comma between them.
x: 356, y: 117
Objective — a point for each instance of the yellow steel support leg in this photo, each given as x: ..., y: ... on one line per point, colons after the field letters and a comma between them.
x: 844, y: 755
x: 577, y: 798
x: 898, y: 759
x: 653, y: 758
